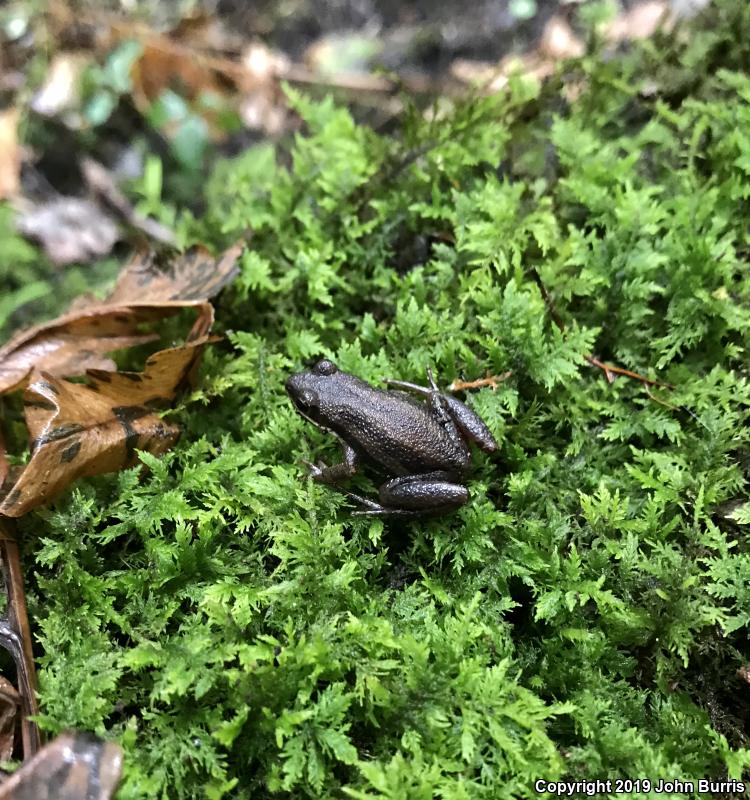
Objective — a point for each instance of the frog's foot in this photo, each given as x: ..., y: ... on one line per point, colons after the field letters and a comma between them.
x: 322, y: 473
x: 314, y: 471
x: 368, y: 506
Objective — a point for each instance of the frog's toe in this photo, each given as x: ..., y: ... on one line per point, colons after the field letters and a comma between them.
x: 315, y: 471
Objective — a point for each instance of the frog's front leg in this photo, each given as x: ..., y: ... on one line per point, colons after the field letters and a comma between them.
x: 336, y: 472
x: 432, y: 492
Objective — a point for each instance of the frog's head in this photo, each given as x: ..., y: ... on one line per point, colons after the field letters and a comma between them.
x: 309, y: 389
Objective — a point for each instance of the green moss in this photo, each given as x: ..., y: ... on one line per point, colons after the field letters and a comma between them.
x: 584, y: 616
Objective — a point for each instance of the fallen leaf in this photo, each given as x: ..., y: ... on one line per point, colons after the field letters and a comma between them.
x: 147, y: 290
x: 638, y: 22
x: 184, y: 62
x: 69, y: 229
x: 10, y: 153
x: 79, y: 430
x: 559, y: 41
x: 166, y: 64
x: 10, y: 704
x: 74, y: 343
x: 75, y: 766
x: 61, y: 90
x: 195, y: 275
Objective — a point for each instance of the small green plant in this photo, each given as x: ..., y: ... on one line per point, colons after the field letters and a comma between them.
x: 586, y: 613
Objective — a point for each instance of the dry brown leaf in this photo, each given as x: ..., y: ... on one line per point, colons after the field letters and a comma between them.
x: 195, y: 275
x: 61, y: 90
x: 74, y: 343
x: 80, y: 340
x: 10, y: 705
x: 559, y: 41
x: 184, y: 62
x: 168, y: 64
x: 79, y: 430
x: 638, y: 22
x: 10, y: 153
x: 74, y: 766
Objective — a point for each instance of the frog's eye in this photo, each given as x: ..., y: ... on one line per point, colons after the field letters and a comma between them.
x: 325, y: 367
x: 307, y: 400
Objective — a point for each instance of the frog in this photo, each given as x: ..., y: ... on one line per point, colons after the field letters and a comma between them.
x: 416, y: 437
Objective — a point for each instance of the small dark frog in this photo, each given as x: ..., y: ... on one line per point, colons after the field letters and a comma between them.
x: 421, y: 445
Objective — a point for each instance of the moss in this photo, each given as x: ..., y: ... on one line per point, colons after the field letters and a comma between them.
x: 585, y: 614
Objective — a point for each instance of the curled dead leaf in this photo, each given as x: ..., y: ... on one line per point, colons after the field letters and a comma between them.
x: 639, y: 22
x: 74, y: 343
x: 75, y: 766
x: 61, y: 90
x: 79, y: 430
x: 147, y: 290
x: 167, y: 64
x: 195, y: 275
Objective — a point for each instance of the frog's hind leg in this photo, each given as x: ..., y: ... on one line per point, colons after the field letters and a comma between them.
x: 430, y: 493
x: 470, y: 425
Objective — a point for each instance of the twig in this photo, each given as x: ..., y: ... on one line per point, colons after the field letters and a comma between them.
x: 611, y: 371
x: 15, y: 637
x: 556, y: 318
x: 493, y: 381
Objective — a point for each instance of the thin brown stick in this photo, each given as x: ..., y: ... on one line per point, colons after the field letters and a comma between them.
x: 15, y: 636
x: 556, y: 318
x: 493, y: 381
x: 611, y: 371
x: 664, y: 403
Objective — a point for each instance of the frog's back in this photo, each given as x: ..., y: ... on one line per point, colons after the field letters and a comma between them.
x: 395, y: 432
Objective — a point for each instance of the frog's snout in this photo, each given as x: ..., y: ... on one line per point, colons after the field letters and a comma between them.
x: 290, y: 384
